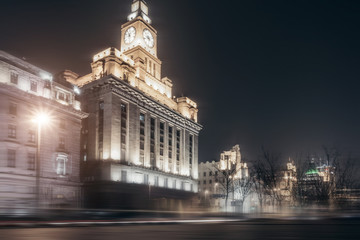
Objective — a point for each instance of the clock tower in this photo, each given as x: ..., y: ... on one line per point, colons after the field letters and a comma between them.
x: 139, y: 41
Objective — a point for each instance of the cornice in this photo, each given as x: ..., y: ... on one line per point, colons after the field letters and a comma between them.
x: 17, y: 93
x: 135, y: 96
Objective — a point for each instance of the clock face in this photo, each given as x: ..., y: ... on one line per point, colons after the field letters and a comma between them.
x: 148, y: 38
x: 130, y: 35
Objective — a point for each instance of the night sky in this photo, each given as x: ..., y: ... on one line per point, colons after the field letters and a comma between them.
x: 283, y: 74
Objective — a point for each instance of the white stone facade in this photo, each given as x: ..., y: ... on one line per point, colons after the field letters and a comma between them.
x: 146, y: 136
x: 25, y: 91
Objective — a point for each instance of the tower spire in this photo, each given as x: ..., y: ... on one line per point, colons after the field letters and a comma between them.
x: 139, y: 8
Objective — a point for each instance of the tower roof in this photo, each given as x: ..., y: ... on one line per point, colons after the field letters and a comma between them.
x: 139, y: 8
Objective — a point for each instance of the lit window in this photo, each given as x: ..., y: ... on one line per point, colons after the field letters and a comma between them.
x: 11, y: 131
x: 33, y: 86
x: 14, y: 77
x: 61, y: 161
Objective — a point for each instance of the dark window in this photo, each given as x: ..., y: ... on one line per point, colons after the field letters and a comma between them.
x: 142, y: 138
x: 162, y: 132
x: 62, y: 142
x: 11, y: 158
x: 61, y: 96
x: 31, y: 161
x: 11, y: 131
x: 191, y: 149
x: 33, y: 86
x: 170, y: 142
x: 14, y: 77
x: 13, y: 109
x: 204, y: 174
x: 210, y: 173
x: 101, y: 128
x: 152, y: 142
x: 204, y: 181
x: 178, y: 145
x: 210, y: 181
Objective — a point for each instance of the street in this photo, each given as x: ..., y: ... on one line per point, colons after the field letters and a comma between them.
x: 254, y: 229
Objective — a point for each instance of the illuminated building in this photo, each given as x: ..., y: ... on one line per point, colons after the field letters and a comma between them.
x: 26, y: 91
x: 212, y: 180
x: 137, y: 132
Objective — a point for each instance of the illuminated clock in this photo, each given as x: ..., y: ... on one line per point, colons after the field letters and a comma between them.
x: 148, y: 38
x: 130, y: 35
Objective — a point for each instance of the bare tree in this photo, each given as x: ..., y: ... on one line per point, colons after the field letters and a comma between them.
x: 242, y: 188
x: 267, y: 173
x: 301, y: 163
x: 225, y: 178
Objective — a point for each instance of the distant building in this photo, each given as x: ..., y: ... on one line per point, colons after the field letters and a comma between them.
x: 139, y: 139
x: 216, y: 178
x: 25, y: 91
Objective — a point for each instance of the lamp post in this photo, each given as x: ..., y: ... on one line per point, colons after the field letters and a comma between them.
x: 39, y: 119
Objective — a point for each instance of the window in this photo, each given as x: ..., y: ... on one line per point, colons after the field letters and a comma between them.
x: 61, y: 160
x: 210, y: 181
x: 14, y: 78
x: 62, y: 142
x: 210, y: 174
x: 152, y: 142
x: 11, y: 131
x: 146, y: 179
x: 142, y: 138
x: 162, y: 131
x: 191, y: 150
x: 101, y: 128
x: 123, y: 176
x: 170, y: 143
x: 178, y: 134
x: 123, y: 130
x: 13, y: 109
x: 33, y: 86
x: 156, y: 183
x: 31, y: 161
x: 204, y: 182
x: 11, y: 163
x: 31, y: 136
x: 204, y: 174
x: 166, y: 183
x: 62, y: 123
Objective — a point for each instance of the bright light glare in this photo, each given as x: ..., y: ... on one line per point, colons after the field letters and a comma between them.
x: 41, y: 118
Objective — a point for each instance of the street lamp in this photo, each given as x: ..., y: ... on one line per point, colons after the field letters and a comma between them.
x: 40, y: 119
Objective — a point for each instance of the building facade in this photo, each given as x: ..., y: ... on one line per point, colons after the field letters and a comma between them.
x: 137, y: 132
x: 26, y: 91
x: 220, y: 178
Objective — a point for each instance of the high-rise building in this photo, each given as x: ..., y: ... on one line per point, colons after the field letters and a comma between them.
x: 138, y: 137
x: 25, y: 92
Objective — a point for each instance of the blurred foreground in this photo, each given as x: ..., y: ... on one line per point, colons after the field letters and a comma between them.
x: 335, y: 228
